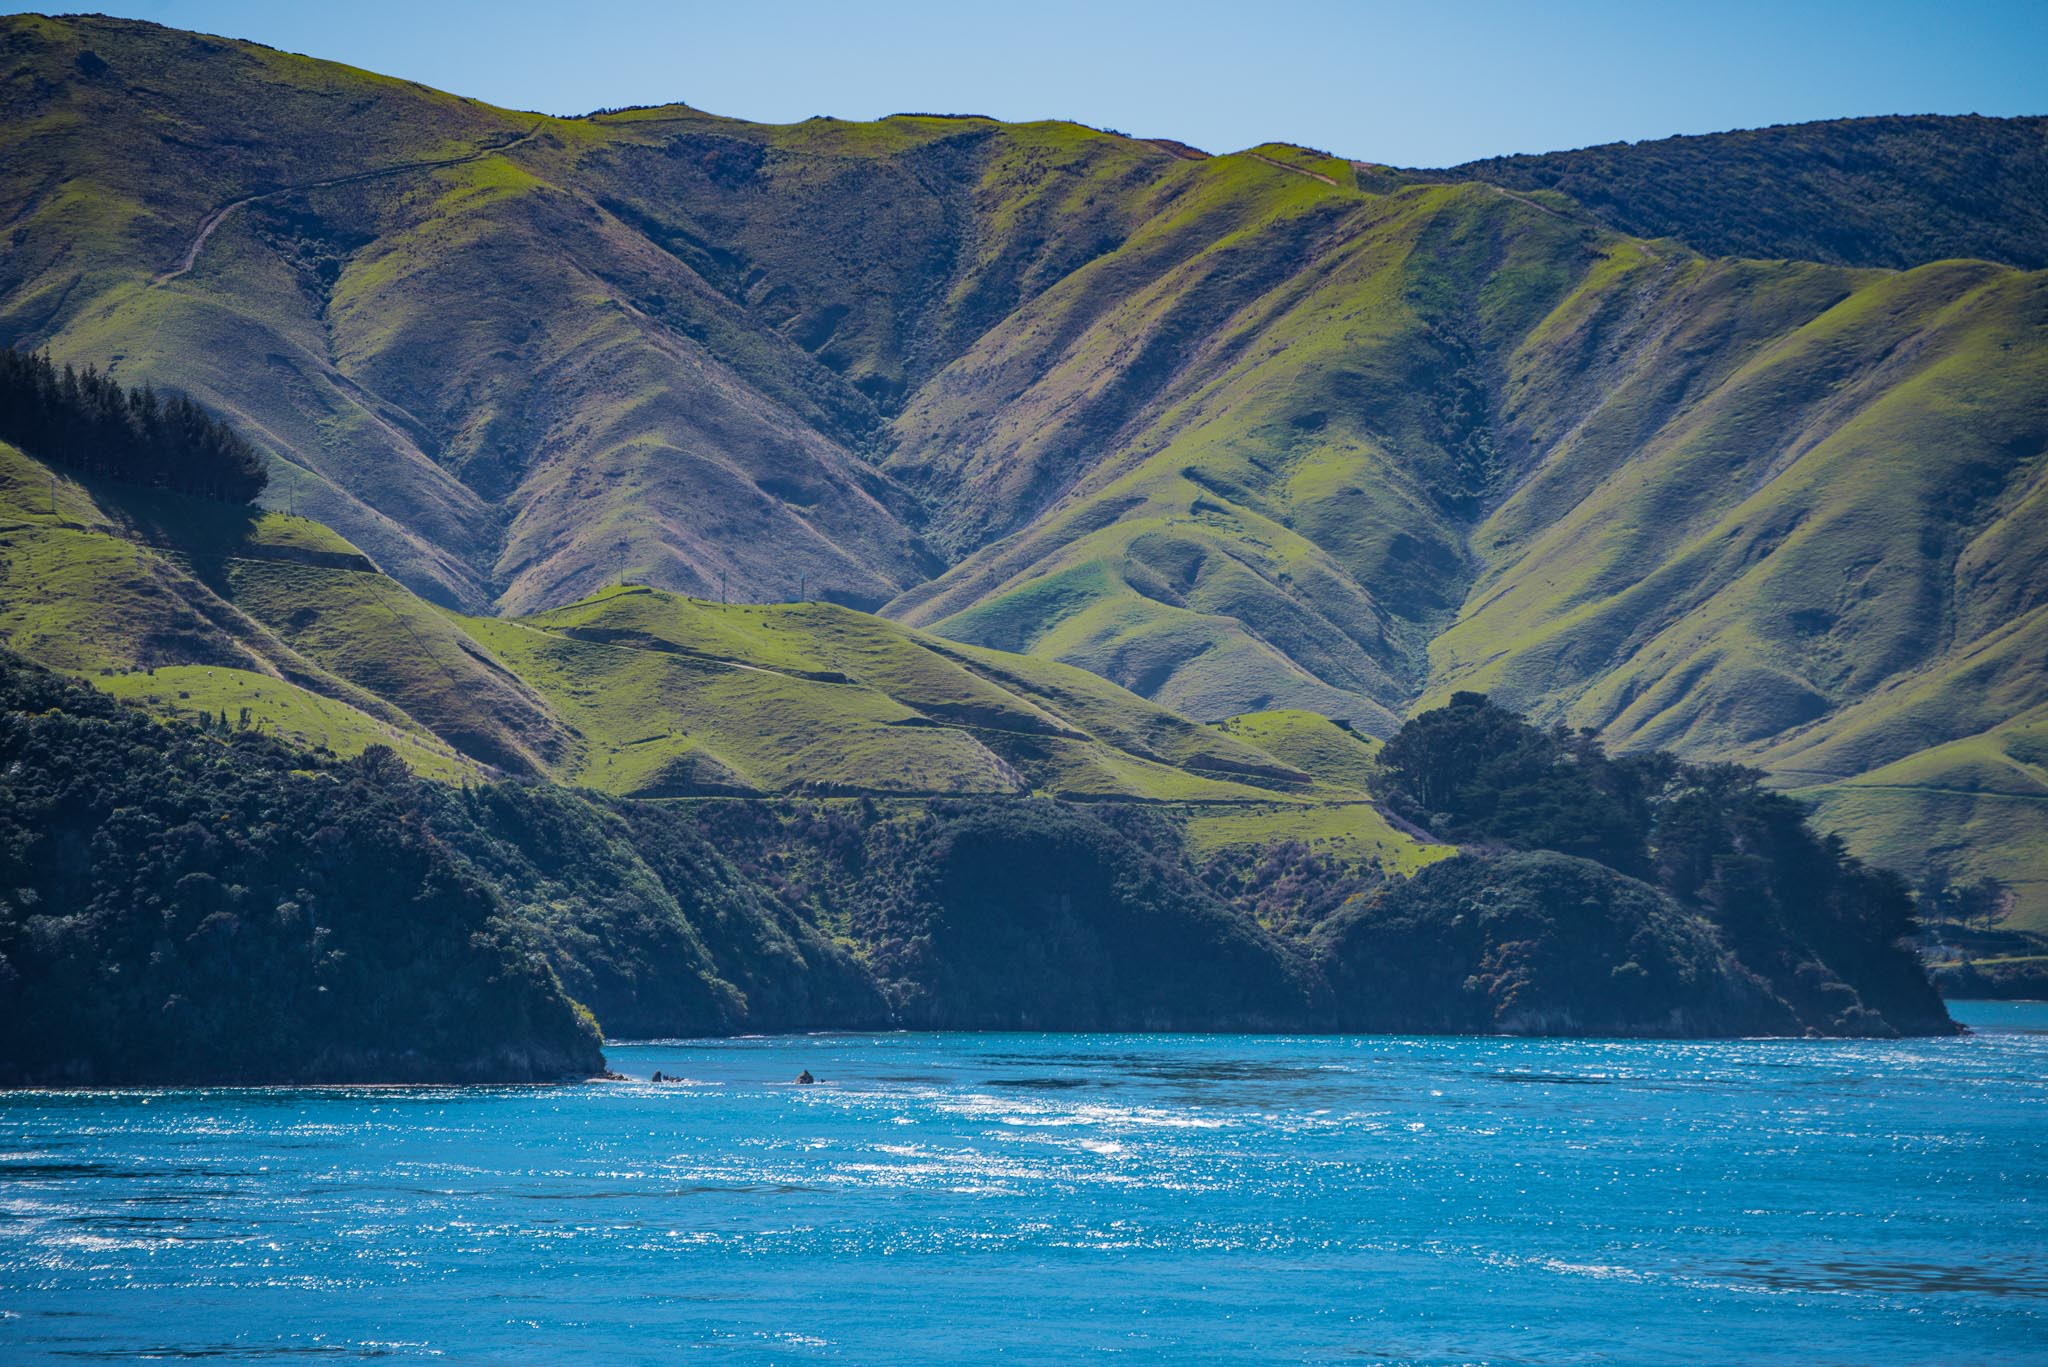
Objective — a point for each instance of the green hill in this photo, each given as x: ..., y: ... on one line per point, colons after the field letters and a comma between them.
x: 1893, y: 192
x: 201, y: 904
x: 676, y: 696
x: 1259, y: 432
x: 1338, y: 758
x: 274, y: 623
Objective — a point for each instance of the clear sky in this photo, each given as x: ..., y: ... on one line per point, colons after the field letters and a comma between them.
x: 1414, y: 84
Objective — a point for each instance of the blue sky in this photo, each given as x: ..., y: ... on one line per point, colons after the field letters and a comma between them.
x: 1407, y: 83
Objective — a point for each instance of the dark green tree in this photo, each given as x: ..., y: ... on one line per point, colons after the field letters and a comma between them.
x: 1475, y: 772
x: 88, y: 422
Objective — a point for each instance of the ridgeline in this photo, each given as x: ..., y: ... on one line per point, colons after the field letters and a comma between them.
x: 1730, y: 446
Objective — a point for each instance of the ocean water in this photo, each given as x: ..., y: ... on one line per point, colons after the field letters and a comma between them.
x: 1026, y: 1198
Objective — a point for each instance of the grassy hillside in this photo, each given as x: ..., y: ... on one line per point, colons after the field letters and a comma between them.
x: 1337, y: 757
x: 301, y: 717
x: 1893, y: 192
x: 1267, y: 431
x: 676, y: 697
x: 137, y: 591
x: 1356, y: 834
x: 1973, y: 808
x: 259, y: 621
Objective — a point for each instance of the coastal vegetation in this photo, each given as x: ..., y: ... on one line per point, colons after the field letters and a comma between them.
x: 1711, y: 841
x: 717, y: 577
x: 179, y: 904
x: 1728, y: 446
x: 193, y: 901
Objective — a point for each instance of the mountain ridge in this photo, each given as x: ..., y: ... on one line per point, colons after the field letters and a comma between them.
x: 1256, y: 431
x: 1863, y: 191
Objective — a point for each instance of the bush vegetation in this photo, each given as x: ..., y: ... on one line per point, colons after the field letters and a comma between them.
x: 1792, y: 904
x: 1890, y: 191
x: 203, y: 903
x: 184, y: 904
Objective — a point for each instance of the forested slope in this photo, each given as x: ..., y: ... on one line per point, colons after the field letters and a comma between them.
x: 199, y: 903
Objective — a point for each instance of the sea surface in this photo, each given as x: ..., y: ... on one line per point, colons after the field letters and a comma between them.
x: 1047, y: 1198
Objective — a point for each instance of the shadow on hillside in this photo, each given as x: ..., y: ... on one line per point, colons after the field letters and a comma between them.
x: 205, y: 533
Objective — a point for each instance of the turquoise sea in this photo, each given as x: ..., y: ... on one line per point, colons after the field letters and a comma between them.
x: 1044, y: 1198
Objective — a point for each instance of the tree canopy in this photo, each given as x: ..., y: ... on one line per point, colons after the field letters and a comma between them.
x: 1711, y: 836
x: 90, y: 423
x: 176, y: 905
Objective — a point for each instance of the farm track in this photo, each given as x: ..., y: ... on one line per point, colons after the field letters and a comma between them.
x: 219, y: 216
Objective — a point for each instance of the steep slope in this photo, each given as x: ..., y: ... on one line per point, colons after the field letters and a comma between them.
x: 370, y: 276
x: 1725, y: 507
x: 271, y: 621
x: 1263, y: 431
x: 1258, y: 459
x: 1894, y: 192
x: 1854, y: 500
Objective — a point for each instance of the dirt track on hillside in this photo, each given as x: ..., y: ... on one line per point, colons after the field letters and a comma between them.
x: 220, y: 215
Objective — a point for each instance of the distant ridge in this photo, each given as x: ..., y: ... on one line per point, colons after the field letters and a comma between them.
x: 1259, y: 431
x: 1893, y: 192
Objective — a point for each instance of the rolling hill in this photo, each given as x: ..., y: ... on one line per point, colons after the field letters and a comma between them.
x: 1248, y: 433
x: 272, y: 622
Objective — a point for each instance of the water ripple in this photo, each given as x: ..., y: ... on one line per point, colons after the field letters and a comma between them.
x: 1041, y: 1199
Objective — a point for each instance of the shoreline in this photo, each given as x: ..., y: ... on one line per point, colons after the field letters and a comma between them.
x: 1962, y: 1031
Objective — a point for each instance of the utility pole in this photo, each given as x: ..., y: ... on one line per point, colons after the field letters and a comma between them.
x: 721, y: 588
x: 801, y: 581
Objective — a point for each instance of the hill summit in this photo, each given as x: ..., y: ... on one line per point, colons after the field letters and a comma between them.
x: 1261, y: 431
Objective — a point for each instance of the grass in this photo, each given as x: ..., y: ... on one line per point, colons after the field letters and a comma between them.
x: 1971, y: 808
x: 1353, y: 832
x: 79, y: 601
x: 830, y: 654
x: 1257, y: 491
x: 1236, y: 436
x: 193, y: 607
x: 127, y: 580
x: 282, y: 709
x: 649, y: 717
x: 1971, y: 835
x: 361, y: 627
x: 816, y: 697
x: 1339, y: 759
x: 80, y: 591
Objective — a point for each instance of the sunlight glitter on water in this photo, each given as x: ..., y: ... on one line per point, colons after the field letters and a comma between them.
x: 1037, y: 1199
